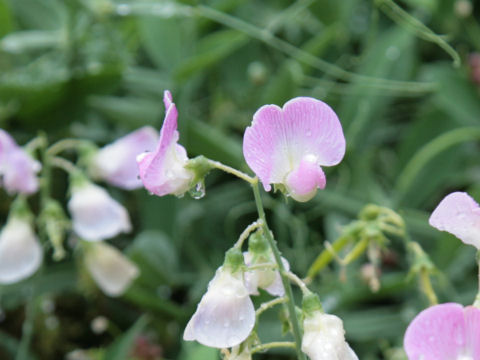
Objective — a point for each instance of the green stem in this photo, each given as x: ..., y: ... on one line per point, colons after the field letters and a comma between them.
x: 246, y: 233
x: 427, y: 287
x: 64, y: 164
x: 230, y: 170
x: 326, y: 256
x: 65, y: 144
x: 401, y: 17
x: 285, y: 279
x: 296, y: 53
x: 430, y: 151
x: 269, y: 304
x: 294, y: 278
x: 271, y: 345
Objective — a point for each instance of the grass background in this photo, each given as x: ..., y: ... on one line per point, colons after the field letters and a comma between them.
x: 97, y: 69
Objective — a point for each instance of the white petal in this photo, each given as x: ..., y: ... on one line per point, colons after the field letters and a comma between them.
x: 324, y: 338
x: 112, y: 271
x: 96, y: 215
x: 276, y: 288
x: 225, y: 315
x: 20, y: 252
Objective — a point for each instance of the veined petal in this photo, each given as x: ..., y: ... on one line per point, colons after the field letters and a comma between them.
x: 116, y: 163
x: 267, y: 279
x: 439, y: 333
x: 279, y: 139
x: 225, y: 315
x: 20, y: 252
x: 112, y: 271
x: 472, y: 318
x: 163, y: 171
x: 95, y: 214
x: 459, y: 215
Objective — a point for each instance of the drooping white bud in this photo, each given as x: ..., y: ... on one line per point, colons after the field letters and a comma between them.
x: 95, y: 214
x: 324, y: 338
x: 112, y: 271
x: 20, y: 252
x: 267, y: 279
x: 225, y: 315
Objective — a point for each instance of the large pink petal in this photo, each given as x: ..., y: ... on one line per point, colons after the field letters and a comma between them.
x: 279, y: 139
x: 472, y: 317
x: 459, y: 215
x: 437, y: 333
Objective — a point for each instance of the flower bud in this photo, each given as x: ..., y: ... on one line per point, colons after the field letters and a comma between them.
x: 110, y: 269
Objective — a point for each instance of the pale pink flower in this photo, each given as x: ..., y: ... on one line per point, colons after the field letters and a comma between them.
x: 324, y: 338
x: 287, y: 146
x: 444, y: 332
x: 20, y: 251
x: 17, y: 169
x: 112, y: 271
x: 459, y: 215
x: 163, y: 171
x: 95, y: 214
x: 116, y: 163
x: 225, y: 315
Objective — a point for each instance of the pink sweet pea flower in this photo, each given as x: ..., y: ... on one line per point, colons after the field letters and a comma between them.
x: 17, y: 168
x: 116, y: 163
x: 459, y: 215
x: 163, y: 171
x: 287, y: 146
x: 444, y: 332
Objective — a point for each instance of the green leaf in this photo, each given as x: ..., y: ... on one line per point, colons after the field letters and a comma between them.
x: 6, y: 21
x: 211, y: 50
x: 164, y: 40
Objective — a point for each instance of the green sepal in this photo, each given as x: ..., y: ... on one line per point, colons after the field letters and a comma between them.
x: 200, y: 166
x: 234, y: 260
x: 311, y: 304
x: 257, y: 243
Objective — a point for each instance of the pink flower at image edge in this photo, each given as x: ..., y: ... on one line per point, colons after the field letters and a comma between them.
x: 459, y: 215
x: 17, y: 168
x: 444, y: 332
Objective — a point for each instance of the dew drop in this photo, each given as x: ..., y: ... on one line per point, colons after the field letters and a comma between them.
x: 198, y: 191
x: 226, y: 324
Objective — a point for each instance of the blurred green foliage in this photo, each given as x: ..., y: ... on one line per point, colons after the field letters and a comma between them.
x: 97, y: 69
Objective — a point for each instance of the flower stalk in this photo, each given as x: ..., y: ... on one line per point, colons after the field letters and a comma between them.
x: 285, y: 279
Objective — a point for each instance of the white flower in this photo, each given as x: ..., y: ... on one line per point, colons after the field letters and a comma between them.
x: 267, y: 279
x: 324, y: 338
x: 225, y: 315
x: 95, y: 214
x: 20, y: 252
x: 112, y: 271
